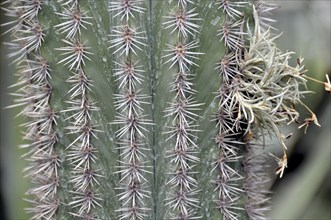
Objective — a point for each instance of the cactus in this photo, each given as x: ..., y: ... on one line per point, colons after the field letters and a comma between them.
x: 141, y: 109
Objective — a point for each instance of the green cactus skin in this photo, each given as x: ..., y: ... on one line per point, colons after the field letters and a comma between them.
x: 143, y: 109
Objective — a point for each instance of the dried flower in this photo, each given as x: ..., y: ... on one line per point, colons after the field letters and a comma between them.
x: 308, y: 121
x: 282, y: 164
x: 327, y: 84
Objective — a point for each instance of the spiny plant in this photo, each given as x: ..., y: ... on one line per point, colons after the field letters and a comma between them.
x: 141, y: 109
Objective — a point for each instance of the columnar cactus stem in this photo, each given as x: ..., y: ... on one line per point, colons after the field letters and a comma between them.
x: 42, y: 154
x: 35, y: 94
x: 255, y: 182
x: 133, y: 153
x: 79, y: 172
x: 82, y: 153
x: 183, y: 157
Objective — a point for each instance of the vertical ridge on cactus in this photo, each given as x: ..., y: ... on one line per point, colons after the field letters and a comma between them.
x: 81, y: 151
x: 133, y: 162
x: 35, y: 94
x: 117, y: 129
x: 184, y: 188
x: 255, y: 180
x: 228, y: 117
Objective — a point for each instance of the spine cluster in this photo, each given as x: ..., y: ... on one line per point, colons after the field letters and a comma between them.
x: 182, y: 199
x: 34, y: 96
x: 81, y: 151
x: 126, y: 41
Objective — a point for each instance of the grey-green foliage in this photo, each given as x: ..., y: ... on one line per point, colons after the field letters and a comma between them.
x: 73, y: 107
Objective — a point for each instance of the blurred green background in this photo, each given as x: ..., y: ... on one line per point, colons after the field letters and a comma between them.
x: 305, y: 190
